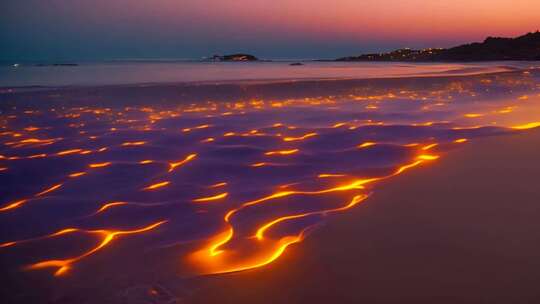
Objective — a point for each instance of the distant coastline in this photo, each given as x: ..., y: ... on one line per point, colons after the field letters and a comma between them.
x: 522, y: 48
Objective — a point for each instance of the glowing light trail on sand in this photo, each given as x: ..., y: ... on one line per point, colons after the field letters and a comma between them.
x: 313, y: 171
x: 300, y: 137
x: 211, y: 198
x: 282, y: 152
x: 107, y: 236
x: 260, y: 232
x: 100, y: 165
x: 109, y: 205
x: 77, y: 174
x: 222, y: 184
x: 174, y: 165
x: 156, y: 186
x: 366, y: 144
x: 48, y: 190
x: 527, y: 126
x: 213, y: 249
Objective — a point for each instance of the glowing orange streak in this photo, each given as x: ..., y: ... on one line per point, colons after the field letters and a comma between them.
x: 144, y: 162
x: 227, y: 237
x: 63, y: 231
x: 283, y: 244
x: 24, y: 201
x: 460, y: 140
x: 218, y: 185
x: 300, y: 138
x: 197, y: 127
x: 13, y: 205
x: 37, y: 156
x: 406, y: 167
x: 467, y: 128
x: 58, y: 233
x: 65, y: 264
x: 77, y: 174
x: 211, y: 198
x: 411, y: 145
x: 357, y: 184
x: 258, y: 164
x: 99, y: 165
x: 325, y: 175
x: 213, y: 249
x: 473, y: 115
x: 527, y: 126
x: 355, y: 201
x: 51, y: 189
x: 156, y: 186
x: 429, y: 146
x: 66, y: 152
x: 427, y: 157
x: 366, y: 144
x: 109, y: 205
x: 30, y: 141
x: 7, y: 244
x: 133, y: 143
x: 172, y: 166
x: 282, y: 152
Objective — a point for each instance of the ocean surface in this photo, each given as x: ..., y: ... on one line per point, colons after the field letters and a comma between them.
x: 108, y: 200
x: 140, y: 72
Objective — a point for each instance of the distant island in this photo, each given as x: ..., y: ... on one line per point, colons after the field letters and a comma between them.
x: 232, y: 57
x: 526, y: 47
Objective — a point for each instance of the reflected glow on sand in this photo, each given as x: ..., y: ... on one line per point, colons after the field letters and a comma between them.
x: 239, y: 181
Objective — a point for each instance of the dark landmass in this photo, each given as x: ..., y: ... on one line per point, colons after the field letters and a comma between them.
x: 232, y: 57
x: 296, y: 63
x: 526, y: 47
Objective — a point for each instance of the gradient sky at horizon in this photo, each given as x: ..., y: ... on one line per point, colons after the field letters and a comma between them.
x: 114, y: 29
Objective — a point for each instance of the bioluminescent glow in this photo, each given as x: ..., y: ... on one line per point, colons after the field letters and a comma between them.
x: 236, y: 182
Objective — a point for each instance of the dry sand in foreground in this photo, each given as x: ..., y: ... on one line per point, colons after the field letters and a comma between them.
x: 465, y: 229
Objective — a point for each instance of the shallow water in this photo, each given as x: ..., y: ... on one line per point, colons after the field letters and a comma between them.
x: 123, y: 203
x: 113, y: 73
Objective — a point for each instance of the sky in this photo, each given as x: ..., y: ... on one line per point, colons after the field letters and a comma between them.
x: 272, y: 29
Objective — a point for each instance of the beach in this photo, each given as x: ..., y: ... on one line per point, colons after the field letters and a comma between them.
x: 461, y: 230
x: 380, y: 189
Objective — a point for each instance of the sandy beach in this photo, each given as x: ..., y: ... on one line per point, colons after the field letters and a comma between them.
x: 463, y: 229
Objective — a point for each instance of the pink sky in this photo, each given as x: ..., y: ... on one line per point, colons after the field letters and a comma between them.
x: 292, y: 27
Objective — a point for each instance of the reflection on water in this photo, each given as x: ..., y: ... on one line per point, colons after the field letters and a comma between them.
x: 212, y: 187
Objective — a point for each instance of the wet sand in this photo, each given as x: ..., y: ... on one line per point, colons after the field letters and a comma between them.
x: 464, y: 229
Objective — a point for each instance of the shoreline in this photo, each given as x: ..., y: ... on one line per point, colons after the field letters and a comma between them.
x: 460, y: 230
x: 183, y: 93
x: 264, y: 81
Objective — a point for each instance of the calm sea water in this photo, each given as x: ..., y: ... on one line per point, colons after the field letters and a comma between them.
x: 128, y: 72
